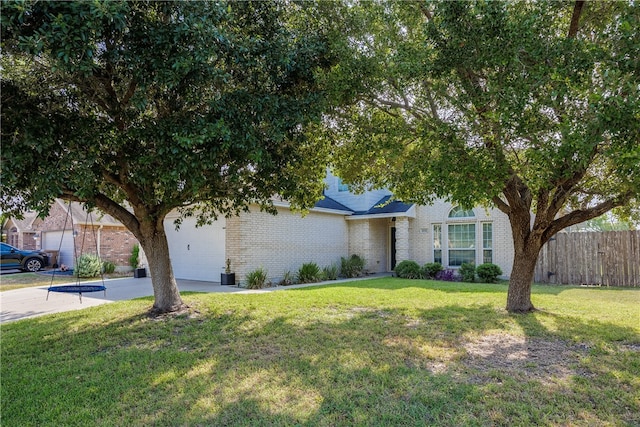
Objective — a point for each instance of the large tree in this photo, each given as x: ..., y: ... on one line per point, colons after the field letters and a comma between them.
x: 140, y: 108
x: 532, y: 107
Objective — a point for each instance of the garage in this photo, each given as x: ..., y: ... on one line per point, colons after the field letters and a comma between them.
x: 51, y: 242
x: 196, y: 253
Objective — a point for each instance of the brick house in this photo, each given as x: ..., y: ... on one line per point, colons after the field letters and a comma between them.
x: 383, y: 232
x: 72, y: 231
x: 20, y: 232
x: 341, y: 224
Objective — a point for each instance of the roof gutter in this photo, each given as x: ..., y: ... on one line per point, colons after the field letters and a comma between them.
x: 286, y: 205
x: 409, y: 213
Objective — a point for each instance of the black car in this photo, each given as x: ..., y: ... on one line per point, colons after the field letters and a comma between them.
x: 14, y: 258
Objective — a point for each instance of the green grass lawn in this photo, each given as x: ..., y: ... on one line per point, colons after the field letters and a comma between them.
x: 372, y: 353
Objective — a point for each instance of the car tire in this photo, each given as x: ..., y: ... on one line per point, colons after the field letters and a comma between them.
x: 32, y: 264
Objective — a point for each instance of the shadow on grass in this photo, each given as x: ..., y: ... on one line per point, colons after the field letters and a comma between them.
x: 257, y: 362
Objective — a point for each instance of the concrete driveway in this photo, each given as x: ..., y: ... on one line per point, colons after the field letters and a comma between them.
x: 32, y: 302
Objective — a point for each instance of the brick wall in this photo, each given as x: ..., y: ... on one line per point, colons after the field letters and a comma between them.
x: 21, y: 239
x: 414, y: 236
x: 403, y: 234
x: 116, y: 242
x: 379, y: 256
x: 55, y: 221
x: 360, y: 240
x: 369, y: 238
x: 285, y: 241
x: 421, y: 244
x: 14, y: 238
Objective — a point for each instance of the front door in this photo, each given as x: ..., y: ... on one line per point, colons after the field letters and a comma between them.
x: 392, y: 249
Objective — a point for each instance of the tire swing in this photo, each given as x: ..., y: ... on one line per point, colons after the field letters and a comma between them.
x: 78, y: 287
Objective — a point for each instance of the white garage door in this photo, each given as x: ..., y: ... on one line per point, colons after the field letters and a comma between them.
x: 51, y: 242
x: 196, y: 253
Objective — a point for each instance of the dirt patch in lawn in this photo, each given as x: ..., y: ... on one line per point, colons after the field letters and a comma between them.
x: 184, y: 312
x: 532, y: 358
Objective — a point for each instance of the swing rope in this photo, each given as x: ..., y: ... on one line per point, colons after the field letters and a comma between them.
x: 77, y: 288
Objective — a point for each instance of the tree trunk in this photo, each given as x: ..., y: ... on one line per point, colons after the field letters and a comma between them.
x: 165, y: 288
x: 519, y: 294
x: 526, y: 245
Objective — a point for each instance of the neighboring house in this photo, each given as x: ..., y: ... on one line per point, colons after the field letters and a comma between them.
x: 341, y: 224
x: 20, y: 233
x: 72, y: 232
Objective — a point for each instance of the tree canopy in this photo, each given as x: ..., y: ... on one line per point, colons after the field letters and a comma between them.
x: 532, y: 107
x: 140, y: 108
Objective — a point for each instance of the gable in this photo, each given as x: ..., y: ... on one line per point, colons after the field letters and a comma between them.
x: 22, y: 225
x: 81, y: 216
x: 387, y: 206
x: 340, y: 193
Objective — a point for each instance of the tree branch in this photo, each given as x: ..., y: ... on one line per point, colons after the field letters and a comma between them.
x: 432, y: 103
x: 108, y: 206
x: 415, y: 112
x: 543, y: 202
x: 564, y: 188
x: 92, y: 93
x: 500, y: 204
x: 581, y: 215
x: 425, y: 11
x: 133, y: 84
x: 518, y: 194
x: 130, y: 190
x: 575, y: 19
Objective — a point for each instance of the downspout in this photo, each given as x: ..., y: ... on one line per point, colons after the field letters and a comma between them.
x: 98, y: 243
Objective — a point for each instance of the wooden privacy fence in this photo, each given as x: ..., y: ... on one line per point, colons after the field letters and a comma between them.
x: 609, y: 258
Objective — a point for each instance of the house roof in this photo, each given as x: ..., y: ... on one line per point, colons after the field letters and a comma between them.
x: 96, y: 217
x: 328, y: 203
x: 78, y: 214
x: 384, y: 206
x: 24, y: 224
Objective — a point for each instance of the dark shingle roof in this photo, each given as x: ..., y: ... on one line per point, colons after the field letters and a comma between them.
x: 329, y: 203
x: 383, y: 206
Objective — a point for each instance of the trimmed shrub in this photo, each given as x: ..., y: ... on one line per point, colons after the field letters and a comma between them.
x: 352, y: 266
x: 431, y: 270
x: 88, y: 266
x: 256, y: 279
x: 408, y: 269
x: 135, y: 254
x: 468, y: 272
x: 447, y: 275
x: 330, y: 272
x: 309, y: 273
x: 488, y: 273
x: 108, y: 267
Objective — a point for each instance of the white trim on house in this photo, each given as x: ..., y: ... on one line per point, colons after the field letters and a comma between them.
x: 280, y: 204
x: 331, y: 211
x: 410, y: 213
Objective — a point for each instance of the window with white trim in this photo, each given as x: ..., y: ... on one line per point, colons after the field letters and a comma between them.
x: 461, y: 237
x: 462, y: 244
x: 437, y: 243
x: 458, y: 212
x: 487, y: 242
